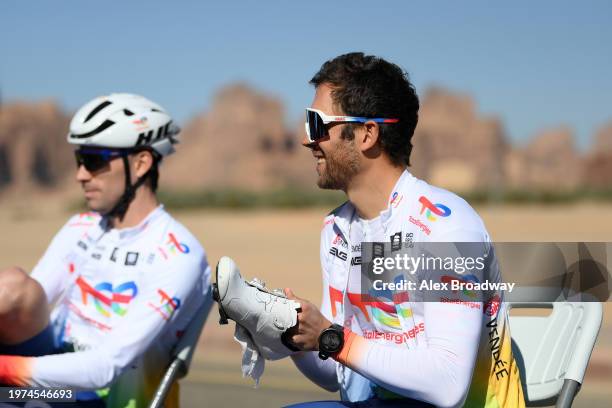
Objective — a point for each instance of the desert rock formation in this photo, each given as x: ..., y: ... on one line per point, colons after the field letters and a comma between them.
x: 549, y: 162
x: 244, y: 142
x: 454, y: 147
x: 598, y: 162
x: 33, y: 149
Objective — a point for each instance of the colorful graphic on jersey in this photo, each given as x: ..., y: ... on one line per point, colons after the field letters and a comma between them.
x: 383, y: 312
x: 168, y: 305
x: 335, y: 296
x: 338, y: 240
x: 15, y: 370
x: 85, y: 219
x: 88, y: 216
x: 396, y: 198
x: 467, y: 278
x: 173, y: 247
x: 397, y: 338
x: 491, y: 306
x: 419, y: 224
x: 113, y: 301
x: 439, y: 209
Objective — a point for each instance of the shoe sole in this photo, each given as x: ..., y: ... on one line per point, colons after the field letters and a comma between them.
x: 223, y: 317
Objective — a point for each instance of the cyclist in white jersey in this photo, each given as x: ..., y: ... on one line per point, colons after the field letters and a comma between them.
x: 125, y: 278
x: 402, y: 352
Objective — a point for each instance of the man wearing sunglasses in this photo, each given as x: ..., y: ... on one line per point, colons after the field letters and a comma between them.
x: 125, y: 278
x: 394, y: 351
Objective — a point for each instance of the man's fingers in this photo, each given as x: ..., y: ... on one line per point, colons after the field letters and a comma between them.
x: 297, y: 340
x: 289, y: 293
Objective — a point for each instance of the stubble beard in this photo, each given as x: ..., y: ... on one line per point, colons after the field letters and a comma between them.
x: 340, y: 166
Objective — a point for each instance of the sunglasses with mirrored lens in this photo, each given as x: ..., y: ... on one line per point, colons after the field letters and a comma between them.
x: 317, y: 121
x: 97, y: 159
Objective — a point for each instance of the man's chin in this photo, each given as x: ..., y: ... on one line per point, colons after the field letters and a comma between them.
x: 326, y: 184
x: 93, y: 206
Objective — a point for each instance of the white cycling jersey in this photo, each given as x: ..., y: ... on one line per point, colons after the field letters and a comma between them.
x: 446, y: 353
x: 122, y: 300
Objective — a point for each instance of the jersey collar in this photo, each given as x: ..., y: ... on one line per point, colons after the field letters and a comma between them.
x: 127, y: 233
x: 397, y: 198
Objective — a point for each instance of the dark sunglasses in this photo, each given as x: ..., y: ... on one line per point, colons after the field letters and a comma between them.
x: 97, y: 159
x: 317, y: 121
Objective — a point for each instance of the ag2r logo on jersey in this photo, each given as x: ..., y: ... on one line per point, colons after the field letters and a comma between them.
x: 430, y: 209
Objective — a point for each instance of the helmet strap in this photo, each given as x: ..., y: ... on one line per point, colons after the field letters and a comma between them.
x: 129, y: 193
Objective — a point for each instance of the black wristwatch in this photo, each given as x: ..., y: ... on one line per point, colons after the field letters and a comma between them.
x: 331, y: 341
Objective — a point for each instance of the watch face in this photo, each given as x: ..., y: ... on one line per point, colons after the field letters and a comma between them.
x: 331, y: 341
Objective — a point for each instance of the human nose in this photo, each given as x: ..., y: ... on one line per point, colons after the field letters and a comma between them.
x: 82, y: 173
x: 307, y: 143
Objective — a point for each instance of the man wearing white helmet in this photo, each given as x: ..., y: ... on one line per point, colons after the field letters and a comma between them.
x: 125, y: 278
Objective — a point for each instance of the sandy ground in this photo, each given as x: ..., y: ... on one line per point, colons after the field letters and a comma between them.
x: 281, y: 247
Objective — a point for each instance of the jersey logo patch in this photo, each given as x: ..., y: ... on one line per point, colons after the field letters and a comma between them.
x: 396, y: 241
x: 173, y: 247
x: 167, y: 305
x: 430, y: 209
x: 113, y: 256
x: 131, y: 258
x: 107, y: 299
x: 396, y: 198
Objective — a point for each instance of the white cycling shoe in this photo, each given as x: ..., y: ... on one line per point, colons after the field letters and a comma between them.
x: 265, y: 314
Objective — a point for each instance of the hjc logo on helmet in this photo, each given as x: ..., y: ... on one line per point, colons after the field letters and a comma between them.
x: 145, y: 138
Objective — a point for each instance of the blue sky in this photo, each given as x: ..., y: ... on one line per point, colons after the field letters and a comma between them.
x: 535, y: 64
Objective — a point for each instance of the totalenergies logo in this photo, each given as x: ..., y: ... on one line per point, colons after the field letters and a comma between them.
x: 430, y: 209
x: 106, y: 298
x: 173, y: 246
x: 168, y: 305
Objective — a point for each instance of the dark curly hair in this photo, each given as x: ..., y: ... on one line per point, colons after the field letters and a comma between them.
x: 369, y: 86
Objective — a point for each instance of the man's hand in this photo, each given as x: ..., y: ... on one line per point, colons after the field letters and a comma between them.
x: 305, y: 334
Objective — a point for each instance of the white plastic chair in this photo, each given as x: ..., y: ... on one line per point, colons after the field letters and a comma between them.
x: 182, y: 353
x: 553, y: 351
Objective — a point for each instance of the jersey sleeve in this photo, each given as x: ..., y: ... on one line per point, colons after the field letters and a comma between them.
x: 440, y: 371
x: 320, y: 372
x: 157, y: 306
x: 51, y: 271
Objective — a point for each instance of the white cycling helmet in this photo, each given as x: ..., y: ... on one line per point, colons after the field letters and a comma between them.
x: 124, y: 121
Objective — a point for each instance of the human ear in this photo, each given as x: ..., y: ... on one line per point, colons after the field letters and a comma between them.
x: 369, y: 136
x: 142, y: 162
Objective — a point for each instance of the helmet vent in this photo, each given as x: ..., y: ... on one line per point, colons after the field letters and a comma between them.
x: 128, y: 112
x: 96, y: 110
x: 156, y: 110
x: 107, y: 123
